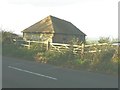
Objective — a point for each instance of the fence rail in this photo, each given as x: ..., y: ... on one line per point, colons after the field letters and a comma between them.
x: 59, y: 46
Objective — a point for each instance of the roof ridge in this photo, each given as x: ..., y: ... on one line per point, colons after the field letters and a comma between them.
x: 50, y: 16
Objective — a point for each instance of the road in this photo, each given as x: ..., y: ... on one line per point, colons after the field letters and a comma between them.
x: 17, y: 73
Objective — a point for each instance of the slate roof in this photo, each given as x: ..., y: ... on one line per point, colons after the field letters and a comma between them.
x: 53, y: 24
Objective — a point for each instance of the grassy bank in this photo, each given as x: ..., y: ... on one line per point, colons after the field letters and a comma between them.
x: 105, y: 61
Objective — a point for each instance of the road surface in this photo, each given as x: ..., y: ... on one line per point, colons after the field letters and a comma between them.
x: 19, y: 73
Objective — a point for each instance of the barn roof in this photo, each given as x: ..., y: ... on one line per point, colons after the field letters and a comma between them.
x: 53, y: 24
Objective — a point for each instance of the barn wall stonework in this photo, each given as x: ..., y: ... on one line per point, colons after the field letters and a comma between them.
x: 63, y: 38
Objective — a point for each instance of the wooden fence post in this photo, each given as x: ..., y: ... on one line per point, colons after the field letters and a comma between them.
x: 48, y: 45
x: 29, y: 45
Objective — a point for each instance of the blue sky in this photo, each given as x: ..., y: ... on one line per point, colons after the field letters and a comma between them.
x: 96, y: 18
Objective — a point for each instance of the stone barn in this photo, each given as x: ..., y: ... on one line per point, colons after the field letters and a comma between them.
x: 53, y: 29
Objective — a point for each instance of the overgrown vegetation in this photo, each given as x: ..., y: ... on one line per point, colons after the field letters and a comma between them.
x: 105, y: 60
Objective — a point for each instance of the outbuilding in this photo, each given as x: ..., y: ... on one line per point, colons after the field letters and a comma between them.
x: 54, y: 30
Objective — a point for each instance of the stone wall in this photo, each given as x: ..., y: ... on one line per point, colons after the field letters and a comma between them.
x: 64, y: 38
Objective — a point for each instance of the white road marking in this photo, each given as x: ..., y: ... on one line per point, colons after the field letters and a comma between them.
x: 32, y: 72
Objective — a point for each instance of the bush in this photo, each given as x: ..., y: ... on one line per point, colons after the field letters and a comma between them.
x: 103, y: 60
x: 107, y: 55
x: 55, y: 57
x: 39, y: 57
x: 7, y: 37
x: 38, y: 47
x: 17, y: 51
x: 104, y: 40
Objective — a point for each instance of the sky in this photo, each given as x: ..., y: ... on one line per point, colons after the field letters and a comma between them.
x: 96, y: 18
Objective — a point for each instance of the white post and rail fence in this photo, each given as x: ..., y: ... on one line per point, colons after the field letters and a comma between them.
x: 58, y: 46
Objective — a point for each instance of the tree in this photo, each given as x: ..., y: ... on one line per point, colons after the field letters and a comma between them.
x: 104, y: 40
x: 7, y: 37
x: 91, y: 41
x: 115, y: 40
